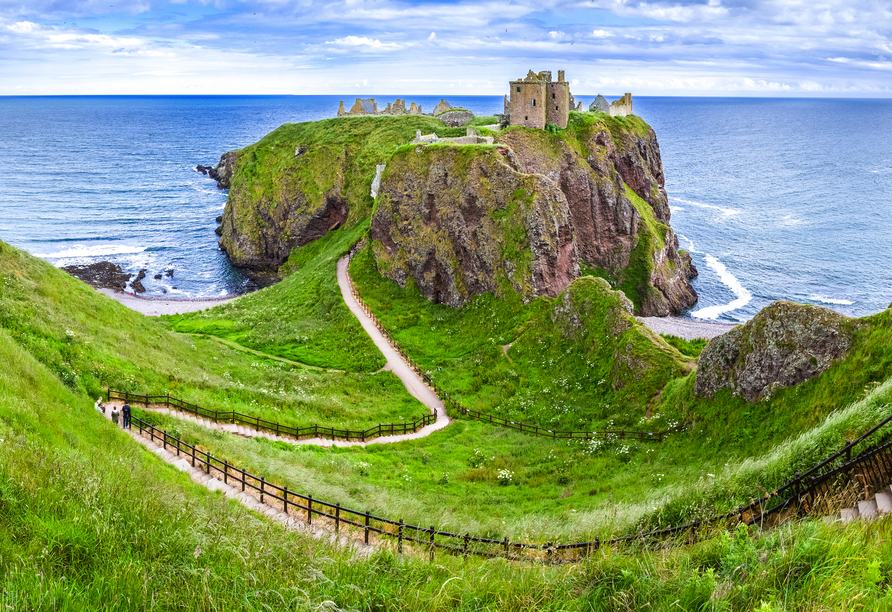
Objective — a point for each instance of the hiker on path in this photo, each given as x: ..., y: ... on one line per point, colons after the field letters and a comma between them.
x: 115, y: 414
x: 125, y: 411
x: 100, y: 406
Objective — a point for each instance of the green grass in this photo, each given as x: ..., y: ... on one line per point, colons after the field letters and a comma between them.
x: 89, y: 520
x: 303, y: 318
x: 689, y: 348
x: 91, y: 342
x: 571, y: 362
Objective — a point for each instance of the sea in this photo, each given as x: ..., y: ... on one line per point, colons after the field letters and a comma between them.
x: 774, y: 198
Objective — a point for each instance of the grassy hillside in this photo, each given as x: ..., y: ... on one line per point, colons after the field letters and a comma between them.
x: 89, y: 520
x: 91, y: 342
x: 303, y: 318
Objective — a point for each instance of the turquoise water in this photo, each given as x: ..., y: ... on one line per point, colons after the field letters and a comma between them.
x: 776, y: 199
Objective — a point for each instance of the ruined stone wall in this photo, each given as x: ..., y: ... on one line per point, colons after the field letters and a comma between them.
x: 558, y: 103
x: 621, y: 107
x: 528, y: 104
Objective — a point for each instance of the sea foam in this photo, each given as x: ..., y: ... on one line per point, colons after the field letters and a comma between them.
x: 826, y: 300
x: 726, y: 212
x: 730, y: 281
x: 98, y: 250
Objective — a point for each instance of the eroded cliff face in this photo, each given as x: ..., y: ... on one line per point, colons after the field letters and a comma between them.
x: 460, y: 222
x: 611, y: 181
x: 783, y: 345
x: 261, y: 226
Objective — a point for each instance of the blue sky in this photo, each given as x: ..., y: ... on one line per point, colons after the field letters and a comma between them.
x: 661, y: 47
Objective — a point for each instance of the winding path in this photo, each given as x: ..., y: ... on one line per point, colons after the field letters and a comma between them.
x: 413, y: 383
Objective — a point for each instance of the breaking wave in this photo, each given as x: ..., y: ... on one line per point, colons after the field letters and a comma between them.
x: 730, y: 281
x: 98, y: 250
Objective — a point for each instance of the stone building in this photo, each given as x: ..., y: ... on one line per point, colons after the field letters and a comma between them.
x: 368, y: 106
x: 621, y: 107
x: 536, y: 101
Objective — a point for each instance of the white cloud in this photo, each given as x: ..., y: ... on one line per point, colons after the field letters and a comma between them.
x: 602, y: 34
x: 433, y: 36
x: 363, y: 41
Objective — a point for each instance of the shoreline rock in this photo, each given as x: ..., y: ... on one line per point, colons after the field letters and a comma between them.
x: 101, y: 275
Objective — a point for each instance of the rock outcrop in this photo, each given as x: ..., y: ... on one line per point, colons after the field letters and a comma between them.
x: 460, y: 221
x: 222, y: 172
x: 260, y: 227
x: 783, y: 345
x: 623, y: 232
x: 102, y: 275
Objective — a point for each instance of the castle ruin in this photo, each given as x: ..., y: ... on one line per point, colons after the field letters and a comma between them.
x: 368, y: 106
x: 536, y: 101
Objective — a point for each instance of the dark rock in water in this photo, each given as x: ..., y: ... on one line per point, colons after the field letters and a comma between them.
x: 102, y: 275
x: 173, y: 287
x: 157, y: 276
x: 136, y: 285
x: 169, y: 273
x: 783, y: 345
x: 222, y: 172
x: 219, y: 231
x: 219, y: 219
x: 164, y: 291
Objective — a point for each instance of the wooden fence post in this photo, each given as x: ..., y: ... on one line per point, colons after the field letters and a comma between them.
x: 465, y: 547
x: 401, y: 537
x: 309, y: 509
x: 367, y: 526
x: 262, y: 482
x: 432, y: 543
x: 225, y: 472
x: 337, y: 517
x: 164, y: 439
x: 285, y: 495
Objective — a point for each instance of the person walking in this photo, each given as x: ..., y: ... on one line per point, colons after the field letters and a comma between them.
x: 100, y: 406
x: 125, y: 412
x: 115, y: 414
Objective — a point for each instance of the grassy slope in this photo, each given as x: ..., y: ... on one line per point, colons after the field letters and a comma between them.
x: 746, y: 425
x: 566, y: 366
x: 303, y: 318
x: 91, y: 342
x: 88, y: 520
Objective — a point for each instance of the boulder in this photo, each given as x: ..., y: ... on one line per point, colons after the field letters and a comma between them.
x: 785, y: 344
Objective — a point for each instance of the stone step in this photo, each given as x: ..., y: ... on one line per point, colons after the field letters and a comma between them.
x: 848, y: 514
x: 867, y: 509
x: 884, y: 502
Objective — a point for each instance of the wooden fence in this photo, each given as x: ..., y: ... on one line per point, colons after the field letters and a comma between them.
x: 298, y: 433
x: 870, y: 469
x: 453, y: 408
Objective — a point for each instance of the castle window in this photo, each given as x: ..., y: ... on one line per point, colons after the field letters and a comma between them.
x: 534, y: 102
x: 518, y: 90
x: 526, y: 118
x: 555, y: 108
x: 552, y: 96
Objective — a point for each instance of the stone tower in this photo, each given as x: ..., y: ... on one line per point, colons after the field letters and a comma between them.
x: 535, y: 100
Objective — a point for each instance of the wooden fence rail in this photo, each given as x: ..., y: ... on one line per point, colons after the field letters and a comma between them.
x: 836, y: 472
x: 298, y: 433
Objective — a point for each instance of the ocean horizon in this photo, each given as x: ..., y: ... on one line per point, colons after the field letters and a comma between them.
x: 775, y: 198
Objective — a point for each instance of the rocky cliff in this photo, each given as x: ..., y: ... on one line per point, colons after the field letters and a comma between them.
x: 526, y: 214
x: 303, y: 180
x: 460, y: 221
x: 783, y: 345
x: 605, y: 173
